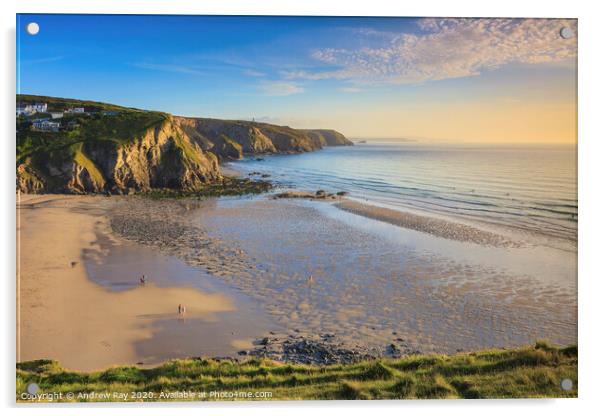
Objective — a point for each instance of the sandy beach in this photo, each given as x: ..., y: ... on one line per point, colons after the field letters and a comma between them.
x: 65, y: 316
x: 242, y: 267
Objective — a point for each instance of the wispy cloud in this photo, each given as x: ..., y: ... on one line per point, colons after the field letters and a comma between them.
x: 280, y: 88
x: 170, y: 68
x: 445, y: 48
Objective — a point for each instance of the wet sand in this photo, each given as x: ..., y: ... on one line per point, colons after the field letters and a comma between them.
x: 243, y: 266
x: 372, y: 284
x: 88, y: 325
x: 434, y: 226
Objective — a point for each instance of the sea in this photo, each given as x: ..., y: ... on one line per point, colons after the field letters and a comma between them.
x: 527, y: 188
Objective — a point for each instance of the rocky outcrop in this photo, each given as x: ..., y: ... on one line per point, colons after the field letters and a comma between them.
x: 217, y: 136
x: 163, y: 157
x: 328, y: 137
x: 29, y: 181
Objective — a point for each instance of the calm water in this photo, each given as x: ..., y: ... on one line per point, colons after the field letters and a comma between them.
x: 528, y: 188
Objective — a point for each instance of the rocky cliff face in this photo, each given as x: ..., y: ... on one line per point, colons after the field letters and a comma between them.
x: 174, y: 152
x: 221, y: 137
x: 328, y: 137
x: 164, y: 156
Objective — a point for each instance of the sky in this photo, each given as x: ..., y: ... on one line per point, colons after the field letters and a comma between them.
x: 430, y: 79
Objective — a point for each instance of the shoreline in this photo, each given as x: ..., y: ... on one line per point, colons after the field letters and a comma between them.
x: 172, y: 228
x: 431, y: 225
x: 67, y: 316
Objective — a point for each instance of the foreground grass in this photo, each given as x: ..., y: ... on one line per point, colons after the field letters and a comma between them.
x: 534, y: 371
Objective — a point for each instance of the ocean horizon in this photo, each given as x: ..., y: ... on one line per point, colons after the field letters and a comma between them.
x: 519, y: 188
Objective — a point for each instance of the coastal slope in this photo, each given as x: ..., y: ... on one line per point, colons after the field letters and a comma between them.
x: 109, y: 148
x: 528, y: 372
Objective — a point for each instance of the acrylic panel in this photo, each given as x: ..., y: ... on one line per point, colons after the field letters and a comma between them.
x: 288, y: 207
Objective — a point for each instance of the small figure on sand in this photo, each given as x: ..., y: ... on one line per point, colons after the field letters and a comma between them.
x: 181, y: 309
x: 143, y: 280
x: 310, y: 280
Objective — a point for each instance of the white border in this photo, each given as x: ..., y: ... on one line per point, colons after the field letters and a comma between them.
x: 589, y: 186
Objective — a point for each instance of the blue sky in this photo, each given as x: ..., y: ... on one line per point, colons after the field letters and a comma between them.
x: 367, y: 77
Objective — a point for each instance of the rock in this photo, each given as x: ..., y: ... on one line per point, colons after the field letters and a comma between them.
x: 295, y: 194
x: 325, y: 137
x: 320, y: 192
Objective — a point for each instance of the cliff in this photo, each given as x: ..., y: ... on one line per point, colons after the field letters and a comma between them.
x: 232, y: 139
x: 161, y: 156
x: 119, y: 149
x: 328, y: 137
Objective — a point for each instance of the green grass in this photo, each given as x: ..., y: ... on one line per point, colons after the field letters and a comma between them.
x: 534, y: 371
x: 95, y: 129
x: 61, y: 104
x: 83, y: 160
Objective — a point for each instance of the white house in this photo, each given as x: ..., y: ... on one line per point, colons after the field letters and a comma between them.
x: 38, y: 107
x: 56, y: 114
x: 46, y: 125
x: 32, y: 108
x: 76, y: 110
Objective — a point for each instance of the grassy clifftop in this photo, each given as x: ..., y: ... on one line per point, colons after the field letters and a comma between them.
x: 535, y: 371
x: 111, y: 148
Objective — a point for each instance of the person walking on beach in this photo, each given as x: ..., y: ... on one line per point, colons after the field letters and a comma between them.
x: 143, y: 280
x: 181, y: 309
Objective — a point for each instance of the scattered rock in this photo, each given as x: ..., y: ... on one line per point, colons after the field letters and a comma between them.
x: 294, y: 194
x: 319, y: 194
x: 321, y: 349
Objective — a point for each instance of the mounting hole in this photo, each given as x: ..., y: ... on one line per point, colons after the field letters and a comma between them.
x: 566, y: 384
x: 566, y: 33
x: 33, y: 388
x: 32, y: 28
